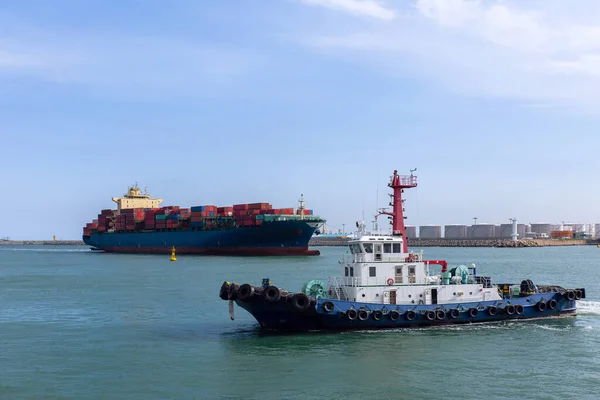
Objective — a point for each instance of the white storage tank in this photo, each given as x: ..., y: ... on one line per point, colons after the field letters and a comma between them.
x: 455, y: 231
x: 481, y: 231
x: 430, y: 232
x: 504, y: 231
x: 411, y: 232
x: 542, y: 228
x: 578, y: 228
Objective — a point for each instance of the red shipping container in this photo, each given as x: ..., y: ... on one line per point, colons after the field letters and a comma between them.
x: 259, y: 206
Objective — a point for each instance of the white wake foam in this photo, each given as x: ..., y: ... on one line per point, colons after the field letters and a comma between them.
x: 588, y: 307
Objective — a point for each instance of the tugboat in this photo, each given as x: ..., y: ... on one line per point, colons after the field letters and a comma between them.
x: 383, y: 285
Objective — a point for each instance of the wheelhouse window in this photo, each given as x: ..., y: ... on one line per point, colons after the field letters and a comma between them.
x: 368, y: 247
x: 397, y: 248
x: 346, y: 271
x: 355, y: 249
x: 372, y: 271
x: 351, y: 271
x: 387, y: 247
x: 411, y: 274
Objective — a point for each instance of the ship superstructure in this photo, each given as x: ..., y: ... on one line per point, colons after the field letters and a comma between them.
x: 134, y: 198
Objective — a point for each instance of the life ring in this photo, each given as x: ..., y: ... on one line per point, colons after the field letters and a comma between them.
x: 440, y: 314
x: 552, y: 304
x: 390, y: 281
x: 410, y: 315
x: 510, y: 309
x: 272, y: 294
x: 394, y: 315
x: 454, y: 313
x: 492, y: 310
x: 519, y: 309
x: 473, y: 312
x: 363, y: 315
x: 430, y: 314
x: 377, y: 314
x: 541, y: 306
x: 328, y: 306
x: 351, y: 314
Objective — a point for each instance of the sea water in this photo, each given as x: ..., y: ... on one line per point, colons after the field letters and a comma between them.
x: 81, y: 325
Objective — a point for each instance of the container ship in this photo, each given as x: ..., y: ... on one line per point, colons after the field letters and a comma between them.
x: 140, y: 225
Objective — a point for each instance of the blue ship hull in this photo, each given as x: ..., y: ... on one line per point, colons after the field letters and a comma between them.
x: 269, y: 238
x: 298, y: 312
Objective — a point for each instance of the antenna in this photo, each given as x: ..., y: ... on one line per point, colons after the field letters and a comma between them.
x: 411, y: 171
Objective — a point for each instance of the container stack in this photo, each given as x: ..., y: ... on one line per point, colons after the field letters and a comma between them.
x: 174, y: 217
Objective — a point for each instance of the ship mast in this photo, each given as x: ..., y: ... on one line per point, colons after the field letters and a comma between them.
x: 301, y: 207
x: 398, y: 183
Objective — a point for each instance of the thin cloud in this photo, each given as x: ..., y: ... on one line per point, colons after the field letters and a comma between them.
x: 545, y: 54
x: 368, y: 8
x: 128, y: 66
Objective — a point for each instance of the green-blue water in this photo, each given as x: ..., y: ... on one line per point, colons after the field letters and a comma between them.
x: 82, y: 325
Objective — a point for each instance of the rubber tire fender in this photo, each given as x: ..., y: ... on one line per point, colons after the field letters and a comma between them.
x: 430, y: 315
x: 492, y: 310
x: 377, y: 314
x: 454, y: 313
x: 541, y: 306
x: 328, y: 306
x: 351, y: 314
x: 300, y: 301
x: 224, y: 290
x: 410, y: 315
x: 245, y: 292
x: 510, y: 309
x: 363, y: 315
x: 552, y: 304
x: 578, y: 294
x: 232, y: 291
x: 394, y: 315
x: 440, y: 314
x: 570, y: 295
x: 519, y: 309
x: 473, y: 312
x: 272, y: 294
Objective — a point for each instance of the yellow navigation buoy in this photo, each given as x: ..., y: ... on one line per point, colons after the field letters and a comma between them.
x: 173, y: 258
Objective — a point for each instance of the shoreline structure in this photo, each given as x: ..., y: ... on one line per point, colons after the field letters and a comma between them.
x: 341, y: 241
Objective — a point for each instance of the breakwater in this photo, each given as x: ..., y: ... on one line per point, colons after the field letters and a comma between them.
x: 417, y: 242
x: 42, y: 242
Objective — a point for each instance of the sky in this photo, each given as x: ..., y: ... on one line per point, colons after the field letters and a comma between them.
x: 496, y: 103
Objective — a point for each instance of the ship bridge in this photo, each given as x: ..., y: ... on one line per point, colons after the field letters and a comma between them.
x: 134, y: 198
